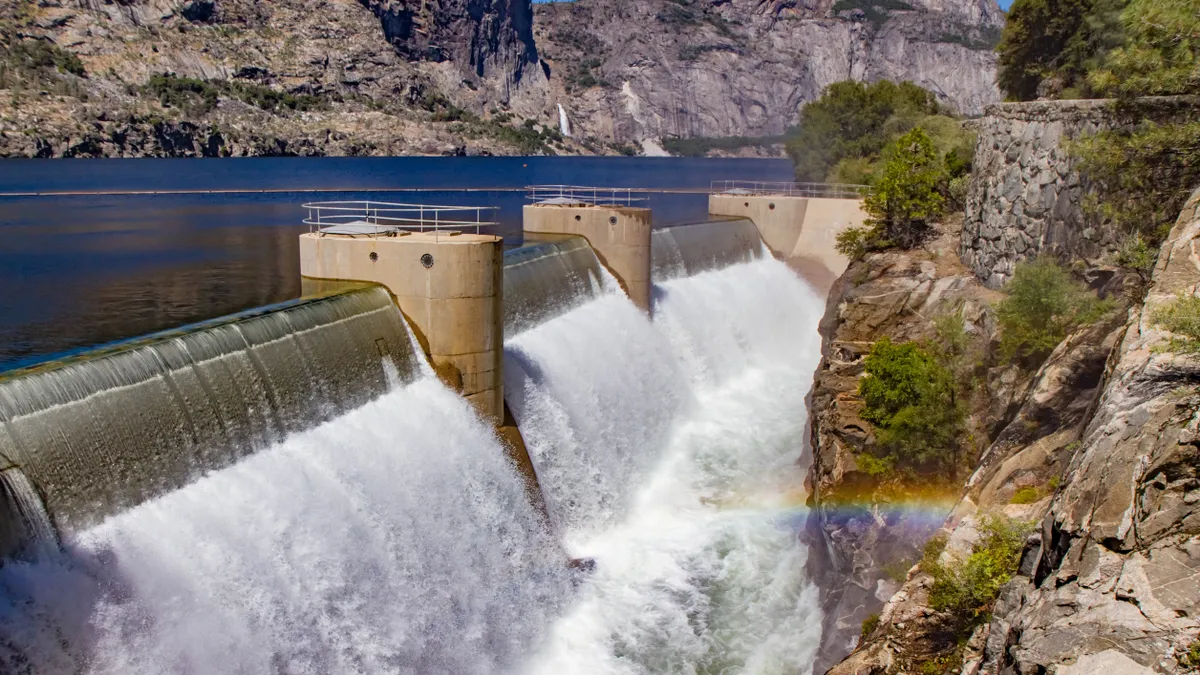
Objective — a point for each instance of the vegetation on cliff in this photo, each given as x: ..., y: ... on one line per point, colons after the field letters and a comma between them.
x: 1044, y: 304
x: 910, y: 397
x: 911, y: 192
x: 1048, y: 46
x: 842, y: 136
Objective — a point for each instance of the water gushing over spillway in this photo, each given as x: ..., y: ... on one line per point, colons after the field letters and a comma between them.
x: 106, y: 431
x: 666, y: 451
x: 394, y: 539
x: 382, y: 528
x: 690, y: 249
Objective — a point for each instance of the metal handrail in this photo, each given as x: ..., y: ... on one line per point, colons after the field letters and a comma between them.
x: 786, y: 189
x: 388, y: 217
x: 585, y: 194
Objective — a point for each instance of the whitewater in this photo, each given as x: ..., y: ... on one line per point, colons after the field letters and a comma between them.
x: 398, y: 537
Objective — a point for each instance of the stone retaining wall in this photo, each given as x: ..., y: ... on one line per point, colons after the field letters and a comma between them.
x: 1026, y: 194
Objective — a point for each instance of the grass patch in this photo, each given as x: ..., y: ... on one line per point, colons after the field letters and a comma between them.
x: 1181, y: 317
x: 1026, y: 495
x: 869, y: 625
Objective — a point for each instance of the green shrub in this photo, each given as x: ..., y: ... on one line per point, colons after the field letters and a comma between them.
x: 869, y: 625
x: 907, y: 196
x: 1143, y: 175
x: 875, y: 11
x: 1159, y: 54
x: 966, y: 589
x: 700, y: 146
x: 200, y: 96
x: 1048, y: 46
x: 897, y: 570
x: 1181, y: 316
x: 854, y: 170
x: 1026, y: 495
x: 874, y: 466
x: 1139, y: 258
x: 1044, y: 304
x: 43, y: 54
x: 853, y: 119
x: 854, y: 242
x: 910, y: 399
x: 1190, y: 659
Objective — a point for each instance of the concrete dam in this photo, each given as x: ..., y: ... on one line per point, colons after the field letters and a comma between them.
x: 401, y: 471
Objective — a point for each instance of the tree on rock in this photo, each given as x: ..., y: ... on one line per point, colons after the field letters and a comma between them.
x: 1161, y: 53
x: 907, y: 197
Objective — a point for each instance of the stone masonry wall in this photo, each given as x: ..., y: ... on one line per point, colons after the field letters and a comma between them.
x: 1026, y: 194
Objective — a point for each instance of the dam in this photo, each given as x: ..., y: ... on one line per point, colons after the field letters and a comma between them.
x: 326, y: 485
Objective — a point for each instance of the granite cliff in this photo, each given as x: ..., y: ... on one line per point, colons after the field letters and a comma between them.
x: 1093, y: 449
x: 658, y: 69
x: 354, y: 77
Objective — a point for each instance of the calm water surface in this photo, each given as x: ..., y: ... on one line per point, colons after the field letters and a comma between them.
x: 87, y: 269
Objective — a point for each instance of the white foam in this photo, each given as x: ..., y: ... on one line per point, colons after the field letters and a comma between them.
x: 704, y: 571
x: 397, y: 538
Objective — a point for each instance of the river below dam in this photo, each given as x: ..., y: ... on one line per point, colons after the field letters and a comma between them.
x: 396, y: 536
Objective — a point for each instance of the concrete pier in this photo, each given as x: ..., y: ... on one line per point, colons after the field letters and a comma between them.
x: 447, y: 284
x: 800, y: 230
x: 619, y: 234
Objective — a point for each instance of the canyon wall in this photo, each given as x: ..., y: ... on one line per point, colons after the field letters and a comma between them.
x: 632, y: 70
x: 403, y: 77
x: 1108, y: 580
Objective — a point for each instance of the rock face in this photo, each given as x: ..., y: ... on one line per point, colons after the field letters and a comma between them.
x: 1106, y: 435
x: 424, y: 77
x: 364, y: 78
x: 863, y: 536
x: 1026, y: 194
x: 485, y: 35
x: 1115, y: 581
x: 653, y: 69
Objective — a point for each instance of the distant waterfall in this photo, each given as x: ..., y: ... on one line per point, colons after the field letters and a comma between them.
x: 564, y: 124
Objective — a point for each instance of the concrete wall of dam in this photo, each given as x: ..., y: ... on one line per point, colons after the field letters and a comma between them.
x: 449, y: 287
x: 620, y: 236
x: 802, y: 231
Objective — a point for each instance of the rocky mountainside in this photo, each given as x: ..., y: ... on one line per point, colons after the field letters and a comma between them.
x: 345, y: 77
x: 631, y: 70
x: 1108, y: 581
x: 239, y: 77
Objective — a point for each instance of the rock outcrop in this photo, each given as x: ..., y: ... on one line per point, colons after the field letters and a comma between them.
x: 1027, y: 195
x: 1105, y: 439
x: 1114, y: 582
x: 421, y: 77
x: 651, y: 69
x: 863, y: 533
x: 293, y: 77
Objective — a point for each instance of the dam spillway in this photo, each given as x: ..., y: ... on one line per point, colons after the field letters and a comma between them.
x: 104, y: 432
x: 390, y: 533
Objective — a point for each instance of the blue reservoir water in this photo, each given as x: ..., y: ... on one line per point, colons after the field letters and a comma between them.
x: 92, y: 266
